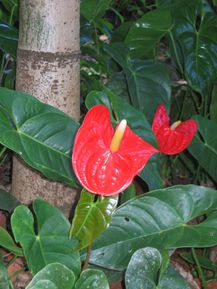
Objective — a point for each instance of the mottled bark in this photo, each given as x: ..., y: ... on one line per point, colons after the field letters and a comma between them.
x: 48, y: 68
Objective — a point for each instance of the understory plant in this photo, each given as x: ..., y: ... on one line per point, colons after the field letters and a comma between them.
x: 145, y: 153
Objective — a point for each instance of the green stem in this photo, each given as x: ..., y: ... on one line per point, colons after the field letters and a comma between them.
x: 12, y: 14
x: 199, y: 270
x: 86, y: 262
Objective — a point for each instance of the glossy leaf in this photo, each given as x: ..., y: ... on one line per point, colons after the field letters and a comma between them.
x: 204, y: 146
x: 4, y: 279
x: 51, y: 243
x: 160, y: 219
x: 143, y: 269
x: 53, y: 276
x: 91, y: 217
x: 7, y: 201
x: 8, y: 243
x: 92, y: 278
x: 142, y: 35
x: 8, y: 38
x: 41, y: 134
x: 195, y: 42
x: 120, y: 108
x: 172, y: 139
x: 102, y: 166
x: 213, y: 105
x: 94, y: 9
x: 148, y: 82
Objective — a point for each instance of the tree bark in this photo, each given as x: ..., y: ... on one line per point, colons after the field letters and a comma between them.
x: 48, y: 68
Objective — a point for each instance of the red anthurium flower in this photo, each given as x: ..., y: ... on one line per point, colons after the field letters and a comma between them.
x: 175, y: 138
x: 106, y: 161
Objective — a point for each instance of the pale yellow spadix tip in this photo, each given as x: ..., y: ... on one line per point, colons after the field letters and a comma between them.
x: 118, y: 135
x: 175, y: 124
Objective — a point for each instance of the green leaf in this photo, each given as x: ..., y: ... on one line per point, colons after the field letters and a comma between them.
x: 91, y: 217
x: 143, y: 34
x: 144, y: 272
x: 8, y: 243
x: 143, y: 268
x: 8, y: 38
x: 4, y: 279
x: 194, y: 39
x: 91, y: 278
x: 148, y: 81
x: 41, y: 134
x: 94, y: 9
x: 159, y: 219
x: 128, y: 194
x: 53, y: 276
x: 213, y: 105
x: 151, y: 174
x: 204, y: 262
x: 7, y: 201
x: 204, y: 145
x: 51, y: 243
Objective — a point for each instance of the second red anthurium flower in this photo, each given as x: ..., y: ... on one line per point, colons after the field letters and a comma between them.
x: 106, y: 161
x: 175, y: 138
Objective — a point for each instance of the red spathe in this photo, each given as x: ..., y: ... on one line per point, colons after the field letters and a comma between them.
x: 98, y: 169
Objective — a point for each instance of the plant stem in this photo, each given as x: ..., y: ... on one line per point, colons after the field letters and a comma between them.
x: 199, y: 270
x: 87, y: 258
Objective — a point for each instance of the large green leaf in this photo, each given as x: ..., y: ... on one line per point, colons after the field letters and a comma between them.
x: 148, y: 81
x: 4, y: 279
x: 94, y: 9
x: 204, y: 145
x: 159, y: 219
x: 53, y: 276
x: 194, y: 40
x: 41, y: 134
x: 8, y: 38
x: 7, y: 201
x: 143, y: 35
x: 92, y: 217
x: 50, y: 243
x: 121, y: 109
x: 93, y: 279
x: 8, y: 243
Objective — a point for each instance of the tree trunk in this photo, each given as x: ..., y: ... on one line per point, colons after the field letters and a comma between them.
x: 48, y: 68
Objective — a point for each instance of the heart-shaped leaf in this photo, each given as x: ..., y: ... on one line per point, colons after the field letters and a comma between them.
x: 204, y: 145
x: 194, y: 41
x: 148, y: 81
x: 51, y: 242
x: 41, y: 134
x: 8, y: 243
x: 91, y: 278
x: 53, y: 276
x: 143, y: 35
x: 94, y: 9
x: 146, y: 271
x: 91, y: 217
x: 160, y: 219
x: 143, y: 269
